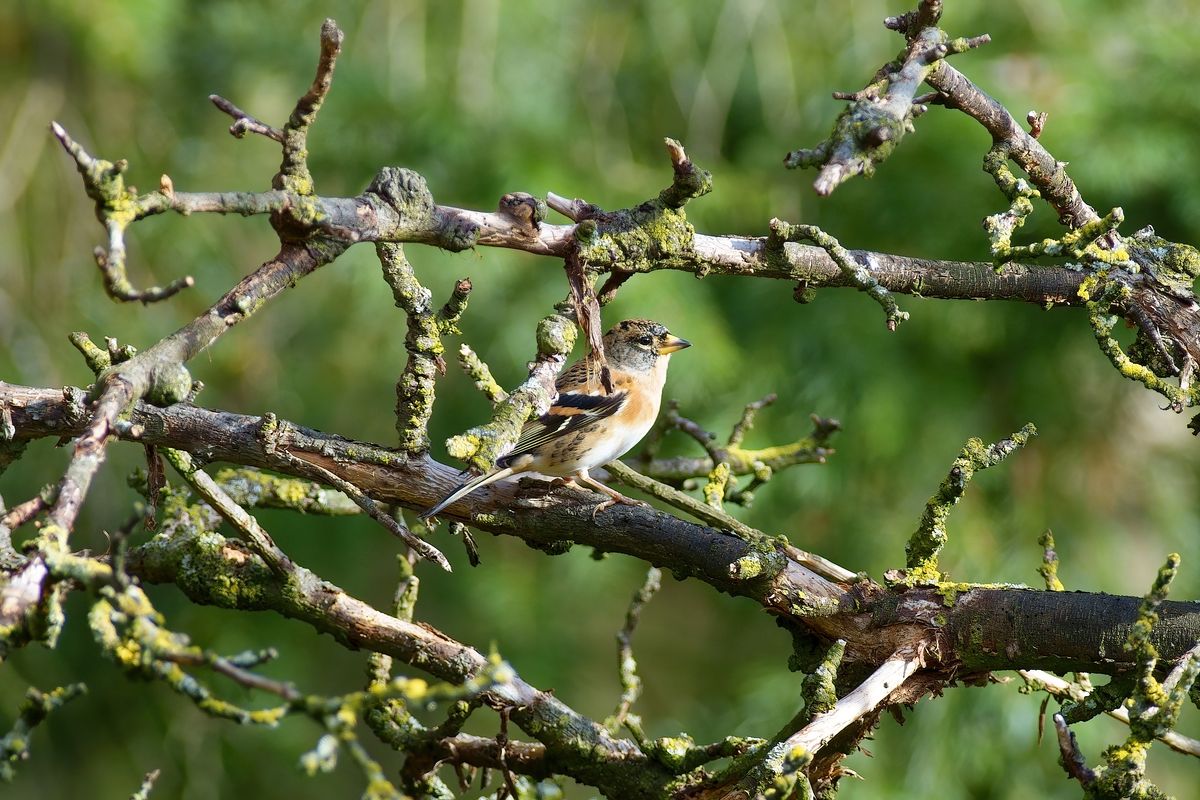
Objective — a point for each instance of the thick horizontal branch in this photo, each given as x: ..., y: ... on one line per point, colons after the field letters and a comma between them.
x: 398, y: 207
x: 1060, y: 631
x: 969, y: 629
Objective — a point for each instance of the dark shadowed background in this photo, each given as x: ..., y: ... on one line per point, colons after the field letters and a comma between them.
x: 485, y: 98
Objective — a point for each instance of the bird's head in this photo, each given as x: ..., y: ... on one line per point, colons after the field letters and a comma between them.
x: 639, y: 344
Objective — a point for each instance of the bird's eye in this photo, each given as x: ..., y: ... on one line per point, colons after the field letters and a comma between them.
x: 646, y: 340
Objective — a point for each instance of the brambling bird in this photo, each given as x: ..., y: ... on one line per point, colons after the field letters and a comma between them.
x: 586, y: 428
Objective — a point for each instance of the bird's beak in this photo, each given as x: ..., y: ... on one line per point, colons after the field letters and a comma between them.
x: 672, y: 344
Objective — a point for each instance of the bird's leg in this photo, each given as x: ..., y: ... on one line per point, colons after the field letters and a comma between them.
x: 614, y: 496
x: 558, y: 483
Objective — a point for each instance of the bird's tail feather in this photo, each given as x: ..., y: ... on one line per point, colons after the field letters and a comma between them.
x: 466, y: 489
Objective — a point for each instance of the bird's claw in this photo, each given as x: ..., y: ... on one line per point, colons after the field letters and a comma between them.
x: 618, y: 499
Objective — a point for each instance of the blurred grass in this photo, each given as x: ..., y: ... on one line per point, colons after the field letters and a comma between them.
x: 572, y: 97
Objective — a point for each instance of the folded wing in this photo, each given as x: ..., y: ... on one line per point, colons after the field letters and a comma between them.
x: 571, y: 412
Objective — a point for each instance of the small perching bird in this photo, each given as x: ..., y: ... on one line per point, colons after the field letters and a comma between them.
x: 586, y: 428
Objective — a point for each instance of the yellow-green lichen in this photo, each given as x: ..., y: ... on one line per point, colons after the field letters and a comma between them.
x: 747, y: 567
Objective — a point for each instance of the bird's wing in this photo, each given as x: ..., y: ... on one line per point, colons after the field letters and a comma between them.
x: 571, y: 412
x: 578, y: 378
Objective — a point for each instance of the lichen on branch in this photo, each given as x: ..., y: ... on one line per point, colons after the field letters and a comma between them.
x: 881, y: 114
x: 14, y: 745
x: 1153, y: 708
x: 930, y: 537
x: 426, y: 327
x: 482, y: 445
x: 783, y: 232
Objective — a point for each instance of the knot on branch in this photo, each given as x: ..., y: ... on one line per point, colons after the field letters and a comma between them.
x: 407, y: 212
x: 525, y: 210
x: 405, y: 192
x: 169, y: 383
x: 638, y: 239
x: 652, y: 235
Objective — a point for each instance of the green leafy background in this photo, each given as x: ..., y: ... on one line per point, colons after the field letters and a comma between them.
x: 571, y: 97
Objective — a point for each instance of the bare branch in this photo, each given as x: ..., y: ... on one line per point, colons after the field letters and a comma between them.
x: 864, y: 699
x: 974, y: 624
x: 867, y: 132
x: 631, y: 683
x: 785, y: 760
x: 479, y: 372
x: 304, y: 596
x: 233, y: 513
x: 856, y: 273
x: 1047, y: 174
x: 1062, y: 688
x: 482, y: 445
x: 252, y: 488
x: 243, y: 123
x: 419, y: 545
x: 415, y: 387
x: 952, y: 631
x: 116, y: 206
x: 1049, y: 568
x: 1072, y: 759
x: 293, y: 172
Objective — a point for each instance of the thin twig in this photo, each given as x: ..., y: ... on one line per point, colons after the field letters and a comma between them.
x: 1072, y: 759
x: 720, y: 519
x: 927, y: 541
x: 630, y: 681
x: 746, y: 422
x: 243, y: 123
x: 143, y: 792
x: 234, y: 672
x: 233, y: 513
x: 857, y: 273
x: 1062, y: 688
x: 373, y: 510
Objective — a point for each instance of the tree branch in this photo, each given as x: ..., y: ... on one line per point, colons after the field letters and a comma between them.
x: 1066, y: 690
x: 970, y: 628
x: 212, y: 570
x: 782, y: 766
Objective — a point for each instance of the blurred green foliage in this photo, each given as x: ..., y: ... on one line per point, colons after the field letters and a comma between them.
x: 551, y: 95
